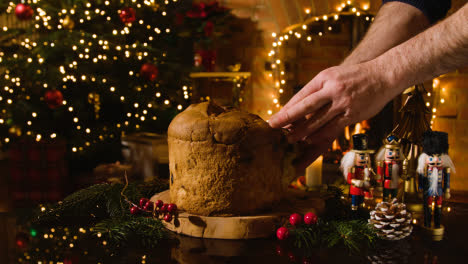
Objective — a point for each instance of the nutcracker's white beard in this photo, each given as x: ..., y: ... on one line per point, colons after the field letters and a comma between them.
x: 434, y: 180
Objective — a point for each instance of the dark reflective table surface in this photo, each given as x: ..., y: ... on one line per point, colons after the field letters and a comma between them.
x: 67, y: 246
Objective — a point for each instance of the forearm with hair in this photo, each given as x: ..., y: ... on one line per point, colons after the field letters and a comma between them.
x: 395, y: 23
x: 440, y: 49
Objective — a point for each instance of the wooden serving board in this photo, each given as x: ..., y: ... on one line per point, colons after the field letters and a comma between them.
x: 243, y: 227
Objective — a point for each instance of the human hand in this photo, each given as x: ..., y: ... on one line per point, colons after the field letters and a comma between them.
x: 336, y: 97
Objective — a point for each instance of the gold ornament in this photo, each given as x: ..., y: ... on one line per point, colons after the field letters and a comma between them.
x: 155, y: 7
x: 94, y: 98
x: 68, y: 23
x: 235, y: 68
x: 15, y: 130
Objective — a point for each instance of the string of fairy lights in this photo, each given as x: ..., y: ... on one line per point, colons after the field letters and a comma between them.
x: 88, y: 45
x: 55, y: 241
x: 300, y: 32
x: 437, y: 95
x: 44, y: 21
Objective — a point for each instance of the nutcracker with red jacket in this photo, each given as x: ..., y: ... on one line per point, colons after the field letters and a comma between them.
x: 390, y: 166
x: 434, y: 169
x: 357, y: 170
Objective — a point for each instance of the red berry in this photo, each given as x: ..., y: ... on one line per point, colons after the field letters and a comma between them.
x: 164, y: 208
x: 292, y: 257
x: 295, y: 219
x: 280, y: 250
x: 282, y: 233
x: 168, y: 218
x: 310, y: 218
x: 134, y: 210
x: 148, y: 206
x: 172, y: 208
x: 307, y: 261
x: 143, y: 201
x: 159, y: 203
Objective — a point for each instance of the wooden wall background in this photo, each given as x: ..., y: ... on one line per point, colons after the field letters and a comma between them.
x: 262, y: 17
x: 275, y: 15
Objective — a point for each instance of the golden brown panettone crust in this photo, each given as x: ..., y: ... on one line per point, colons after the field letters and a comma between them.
x: 224, y: 161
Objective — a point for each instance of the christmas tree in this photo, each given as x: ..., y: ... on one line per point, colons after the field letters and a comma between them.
x: 89, y: 72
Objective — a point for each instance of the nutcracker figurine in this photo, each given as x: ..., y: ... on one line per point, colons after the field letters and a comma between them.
x: 357, y: 170
x: 434, y: 169
x: 390, y: 166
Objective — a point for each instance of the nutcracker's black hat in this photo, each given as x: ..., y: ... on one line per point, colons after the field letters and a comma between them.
x: 360, y: 144
x: 435, y: 142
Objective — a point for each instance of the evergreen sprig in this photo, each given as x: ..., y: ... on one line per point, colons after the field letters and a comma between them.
x: 98, y: 202
x: 131, y: 230
x: 354, y: 235
x: 337, y: 227
x: 81, y: 204
x: 103, y: 209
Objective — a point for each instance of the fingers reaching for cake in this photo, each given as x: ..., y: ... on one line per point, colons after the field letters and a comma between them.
x: 336, y: 97
x: 317, y: 143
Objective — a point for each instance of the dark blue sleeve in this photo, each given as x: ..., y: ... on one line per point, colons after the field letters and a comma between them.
x: 433, y: 9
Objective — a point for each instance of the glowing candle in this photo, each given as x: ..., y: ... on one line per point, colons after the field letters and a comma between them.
x: 313, y: 174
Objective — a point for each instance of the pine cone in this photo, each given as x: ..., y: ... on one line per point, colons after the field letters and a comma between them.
x: 391, y: 220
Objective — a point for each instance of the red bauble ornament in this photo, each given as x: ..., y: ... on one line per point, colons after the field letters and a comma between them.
x: 148, y: 206
x: 208, y: 28
x: 53, y: 98
x: 22, y: 240
x: 282, y: 233
x: 295, y: 219
x: 159, y: 203
x: 149, y: 71
x: 197, y: 11
x: 127, y: 15
x: 134, y: 210
x: 143, y: 201
x: 168, y: 217
x: 172, y: 208
x: 24, y: 11
x: 164, y: 208
x: 310, y: 218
